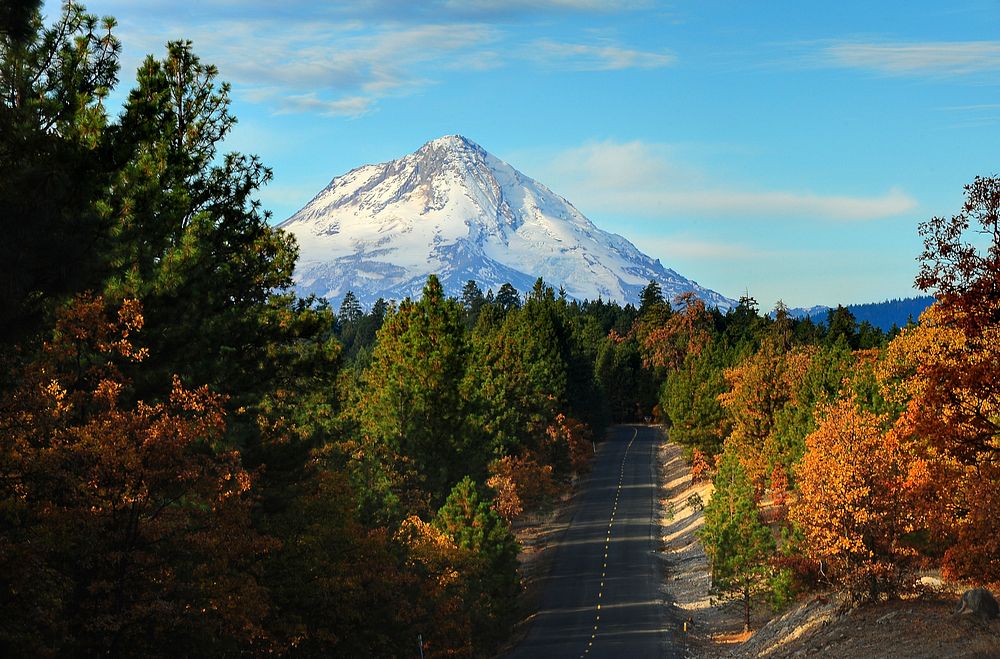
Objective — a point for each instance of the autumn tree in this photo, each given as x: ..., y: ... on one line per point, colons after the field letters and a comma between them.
x: 520, y: 482
x: 937, y: 370
x: 853, y: 504
x: 827, y: 377
x: 738, y: 544
x: 667, y: 341
x: 759, y: 388
x: 964, y: 271
x: 123, y: 528
x: 945, y: 370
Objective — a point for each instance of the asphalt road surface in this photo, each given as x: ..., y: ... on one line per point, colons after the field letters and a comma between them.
x: 602, y: 596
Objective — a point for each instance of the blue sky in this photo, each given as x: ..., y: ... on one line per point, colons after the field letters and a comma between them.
x: 787, y: 149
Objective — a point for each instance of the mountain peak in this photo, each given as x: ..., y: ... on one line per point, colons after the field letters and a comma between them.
x: 452, y: 149
x: 455, y: 210
x: 455, y: 141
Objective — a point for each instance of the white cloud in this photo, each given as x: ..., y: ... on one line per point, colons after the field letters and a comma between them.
x: 643, y: 180
x: 351, y: 106
x: 323, y: 67
x: 534, y: 6
x: 343, y: 58
x: 929, y: 58
x: 584, y: 57
x: 676, y: 248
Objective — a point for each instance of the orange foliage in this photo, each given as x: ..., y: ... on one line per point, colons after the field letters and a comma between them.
x: 440, y: 564
x: 779, y: 486
x: 945, y: 372
x: 758, y: 389
x: 700, y: 469
x: 686, y: 332
x: 153, y: 526
x: 573, y: 437
x: 519, y: 481
x: 853, y: 503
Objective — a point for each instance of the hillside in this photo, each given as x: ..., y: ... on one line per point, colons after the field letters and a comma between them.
x: 923, y: 626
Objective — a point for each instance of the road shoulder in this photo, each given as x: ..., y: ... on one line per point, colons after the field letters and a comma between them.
x: 710, y: 630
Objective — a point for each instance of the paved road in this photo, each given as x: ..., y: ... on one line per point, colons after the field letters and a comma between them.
x: 601, y: 598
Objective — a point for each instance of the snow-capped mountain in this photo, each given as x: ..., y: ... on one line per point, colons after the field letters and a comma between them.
x: 454, y: 210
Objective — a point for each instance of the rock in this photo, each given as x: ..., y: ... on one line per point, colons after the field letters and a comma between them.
x: 978, y: 601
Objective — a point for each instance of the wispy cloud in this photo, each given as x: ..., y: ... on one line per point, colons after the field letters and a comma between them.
x: 941, y: 58
x: 535, y: 6
x: 602, y: 57
x: 352, y: 106
x: 642, y: 179
x: 681, y: 247
x: 329, y: 68
x: 344, y: 59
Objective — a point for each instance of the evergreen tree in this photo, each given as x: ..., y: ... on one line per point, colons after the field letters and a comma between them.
x: 519, y: 376
x: 472, y: 302
x: 507, y: 298
x: 651, y: 296
x: 474, y: 525
x: 350, y: 309
x: 689, y: 399
x: 738, y: 544
x: 54, y: 160
x: 840, y: 322
x: 413, y: 414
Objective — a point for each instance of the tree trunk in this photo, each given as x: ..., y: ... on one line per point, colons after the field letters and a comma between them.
x: 746, y: 610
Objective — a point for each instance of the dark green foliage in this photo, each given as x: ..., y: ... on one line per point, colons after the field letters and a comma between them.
x: 472, y: 302
x: 54, y: 160
x: 690, y: 404
x: 738, y: 544
x: 651, y: 296
x: 331, y: 578
x: 840, y: 323
x: 507, y: 298
x: 629, y: 388
x: 474, y: 525
x: 350, y: 309
x: 413, y: 414
x: 519, y: 377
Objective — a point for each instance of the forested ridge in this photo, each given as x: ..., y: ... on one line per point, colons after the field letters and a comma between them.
x: 196, y: 461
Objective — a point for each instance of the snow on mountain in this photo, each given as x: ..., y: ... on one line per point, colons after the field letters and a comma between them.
x: 454, y: 210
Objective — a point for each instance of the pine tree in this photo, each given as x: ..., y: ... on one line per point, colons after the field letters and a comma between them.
x: 474, y: 525
x: 350, y: 309
x: 738, y: 544
x: 507, y: 298
x: 472, y: 302
x: 651, y: 296
x: 413, y: 414
x: 54, y: 159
